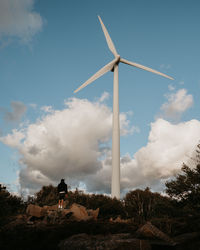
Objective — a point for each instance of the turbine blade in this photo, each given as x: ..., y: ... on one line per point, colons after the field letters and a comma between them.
x: 99, y: 73
x: 144, y: 68
x: 108, y: 39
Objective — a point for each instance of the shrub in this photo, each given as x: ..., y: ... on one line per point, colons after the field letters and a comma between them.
x: 144, y: 205
x: 9, y: 205
x: 48, y: 195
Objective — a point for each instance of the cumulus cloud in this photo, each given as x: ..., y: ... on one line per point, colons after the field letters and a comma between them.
x: 18, y: 110
x: 177, y: 103
x: 169, y: 145
x: 13, y: 140
x: 74, y: 143
x: 64, y: 143
x: 18, y: 19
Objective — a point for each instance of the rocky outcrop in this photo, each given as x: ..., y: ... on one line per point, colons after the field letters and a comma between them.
x: 50, y: 208
x: 34, y: 210
x: 53, y: 213
x: 93, y: 213
x: 79, y: 212
x: 149, y: 231
x: 101, y: 242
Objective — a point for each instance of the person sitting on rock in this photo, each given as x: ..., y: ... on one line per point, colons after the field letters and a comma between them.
x: 62, y: 190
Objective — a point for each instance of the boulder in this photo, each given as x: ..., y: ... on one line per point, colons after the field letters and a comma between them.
x: 119, y: 220
x: 53, y: 207
x: 65, y: 203
x: 111, y: 242
x: 51, y: 217
x: 64, y: 212
x: 35, y: 210
x: 93, y: 213
x: 151, y: 232
x: 76, y: 212
x: 79, y: 212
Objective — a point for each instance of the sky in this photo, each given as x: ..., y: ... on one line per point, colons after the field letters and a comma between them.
x: 49, y: 48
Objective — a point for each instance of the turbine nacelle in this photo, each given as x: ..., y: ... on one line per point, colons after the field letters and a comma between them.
x: 118, y: 57
x: 117, y: 62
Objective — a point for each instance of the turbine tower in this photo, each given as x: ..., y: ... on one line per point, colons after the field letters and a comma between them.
x: 113, y: 66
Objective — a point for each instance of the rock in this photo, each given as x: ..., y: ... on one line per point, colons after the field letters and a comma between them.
x: 93, y: 213
x: 79, y: 212
x: 35, y: 210
x: 51, y: 208
x: 65, y: 203
x: 51, y: 217
x: 76, y: 212
x: 101, y: 242
x: 64, y: 212
x: 119, y: 220
x: 151, y: 232
x: 55, y: 207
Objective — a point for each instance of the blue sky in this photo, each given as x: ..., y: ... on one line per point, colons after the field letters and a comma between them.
x: 44, y: 59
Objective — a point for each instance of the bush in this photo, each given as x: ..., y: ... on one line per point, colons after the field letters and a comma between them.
x: 9, y: 205
x: 108, y: 207
x: 186, y: 187
x: 144, y: 205
x: 48, y: 195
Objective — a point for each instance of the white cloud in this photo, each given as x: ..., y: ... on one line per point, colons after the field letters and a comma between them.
x: 168, y: 147
x: 177, y: 103
x: 104, y: 97
x: 14, y: 139
x: 171, y: 87
x: 47, y: 109
x: 18, y: 19
x: 72, y: 143
x: 64, y: 143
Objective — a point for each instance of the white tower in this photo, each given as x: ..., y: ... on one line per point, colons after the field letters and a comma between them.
x: 113, y: 66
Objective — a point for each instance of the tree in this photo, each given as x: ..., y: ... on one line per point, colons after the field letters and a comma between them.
x: 10, y: 205
x: 144, y: 204
x: 186, y: 187
x: 48, y: 195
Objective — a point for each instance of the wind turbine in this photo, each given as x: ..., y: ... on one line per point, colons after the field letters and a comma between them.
x: 113, y: 66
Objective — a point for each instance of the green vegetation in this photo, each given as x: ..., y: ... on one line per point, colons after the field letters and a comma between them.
x: 142, y: 205
x: 186, y: 188
x: 48, y: 195
x: 10, y: 205
x: 108, y: 207
x: 176, y: 213
x: 145, y: 205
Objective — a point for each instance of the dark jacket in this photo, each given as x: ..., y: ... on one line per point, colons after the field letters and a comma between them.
x: 62, y: 187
